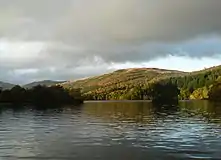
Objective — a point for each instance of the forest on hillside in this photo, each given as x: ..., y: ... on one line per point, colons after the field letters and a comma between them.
x: 135, y: 84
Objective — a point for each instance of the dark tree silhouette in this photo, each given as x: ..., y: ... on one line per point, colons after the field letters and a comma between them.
x: 215, y: 92
x: 164, y: 93
x: 40, y: 96
x: 5, y: 96
x: 17, y: 94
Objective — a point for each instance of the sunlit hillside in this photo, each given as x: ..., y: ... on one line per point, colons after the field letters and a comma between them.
x: 124, y: 83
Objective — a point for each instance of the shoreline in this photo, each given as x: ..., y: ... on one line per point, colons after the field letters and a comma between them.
x: 150, y: 101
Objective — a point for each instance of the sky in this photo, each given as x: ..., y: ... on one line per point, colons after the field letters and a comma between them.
x: 72, y: 39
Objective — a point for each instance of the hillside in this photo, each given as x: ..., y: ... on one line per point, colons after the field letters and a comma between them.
x: 133, y: 83
x: 42, y: 83
x: 126, y: 76
x: 120, y: 80
x: 4, y: 85
x: 197, y: 85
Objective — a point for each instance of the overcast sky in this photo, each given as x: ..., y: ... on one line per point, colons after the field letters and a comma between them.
x: 70, y: 39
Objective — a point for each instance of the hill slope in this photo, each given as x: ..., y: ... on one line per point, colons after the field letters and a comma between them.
x: 4, y: 85
x: 120, y: 80
x: 131, y: 83
x: 42, y: 83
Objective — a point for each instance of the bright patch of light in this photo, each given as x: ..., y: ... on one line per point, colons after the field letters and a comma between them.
x: 25, y: 71
x: 20, y: 49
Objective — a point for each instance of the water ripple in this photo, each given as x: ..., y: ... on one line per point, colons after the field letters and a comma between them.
x: 112, y: 131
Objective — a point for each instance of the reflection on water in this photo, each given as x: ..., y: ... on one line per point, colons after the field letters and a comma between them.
x: 113, y: 130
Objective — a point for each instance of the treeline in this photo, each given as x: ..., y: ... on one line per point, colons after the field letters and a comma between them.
x: 140, y: 85
x: 40, y: 96
x: 198, y: 85
x: 153, y: 91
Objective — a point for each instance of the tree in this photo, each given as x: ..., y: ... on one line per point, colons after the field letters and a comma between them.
x: 215, y: 92
x: 17, y: 94
x: 184, y: 94
x: 200, y: 93
x: 164, y: 93
x: 5, y: 96
x: 40, y: 96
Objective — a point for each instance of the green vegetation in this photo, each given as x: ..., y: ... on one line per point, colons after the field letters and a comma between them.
x: 214, y: 93
x: 40, y: 96
x: 125, y: 84
x: 134, y: 84
x: 197, y: 85
x: 164, y: 93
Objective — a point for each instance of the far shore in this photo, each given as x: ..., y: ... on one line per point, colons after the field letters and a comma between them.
x: 106, y: 101
x: 95, y: 101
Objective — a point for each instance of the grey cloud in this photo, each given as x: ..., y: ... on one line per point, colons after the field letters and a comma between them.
x: 76, y: 33
x: 118, y: 21
x: 141, y: 20
x: 119, y: 30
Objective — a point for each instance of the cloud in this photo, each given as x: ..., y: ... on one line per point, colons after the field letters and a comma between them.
x: 71, y: 34
x: 141, y: 20
x: 136, y: 30
x: 23, y: 76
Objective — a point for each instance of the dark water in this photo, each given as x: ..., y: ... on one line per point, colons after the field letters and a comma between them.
x: 113, y: 131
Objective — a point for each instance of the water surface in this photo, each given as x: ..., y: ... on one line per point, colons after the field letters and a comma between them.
x: 113, y: 130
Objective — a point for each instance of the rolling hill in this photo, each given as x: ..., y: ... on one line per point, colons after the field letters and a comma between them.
x: 42, y: 83
x: 130, y: 83
x: 123, y: 83
x: 128, y: 76
x: 121, y: 80
x: 4, y: 85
